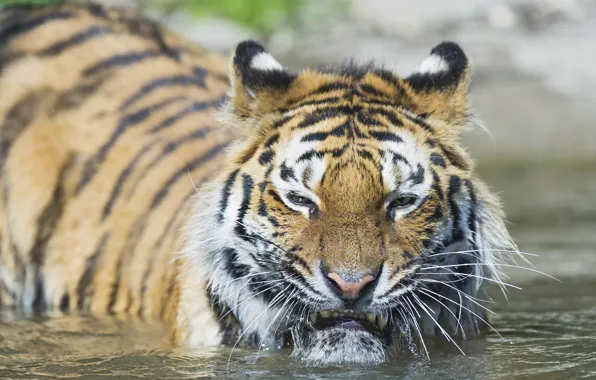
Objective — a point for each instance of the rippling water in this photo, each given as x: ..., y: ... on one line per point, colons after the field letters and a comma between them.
x: 548, y: 329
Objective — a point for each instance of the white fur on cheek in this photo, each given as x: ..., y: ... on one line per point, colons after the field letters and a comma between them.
x: 433, y: 64
x: 265, y: 61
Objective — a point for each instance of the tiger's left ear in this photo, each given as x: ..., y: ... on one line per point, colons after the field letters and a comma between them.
x: 441, y: 83
x: 258, y: 80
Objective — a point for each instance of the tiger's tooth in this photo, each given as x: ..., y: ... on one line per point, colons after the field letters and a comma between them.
x: 314, y: 317
x: 381, y: 322
x: 371, y: 317
x: 325, y: 314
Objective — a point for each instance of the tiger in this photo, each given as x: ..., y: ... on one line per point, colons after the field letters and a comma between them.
x: 332, y: 210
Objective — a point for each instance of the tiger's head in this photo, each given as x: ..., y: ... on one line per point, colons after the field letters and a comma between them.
x: 349, y: 216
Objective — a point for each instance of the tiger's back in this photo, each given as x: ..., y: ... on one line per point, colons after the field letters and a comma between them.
x: 103, y: 119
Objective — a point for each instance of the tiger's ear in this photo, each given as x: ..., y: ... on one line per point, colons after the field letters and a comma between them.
x: 258, y: 80
x: 441, y: 83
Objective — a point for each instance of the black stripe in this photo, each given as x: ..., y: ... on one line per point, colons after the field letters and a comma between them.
x: 418, y: 177
x: 366, y: 119
x: 337, y: 152
x: 20, y: 27
x: 272, y: 140
x: 365, y: 154
x: 46, y: 224
x: 50, y: 216
x: 79, y: 38
x: 266, y: 157
x: 192, y: 165
x: 169, y: 81
x: 169, y: 292
x: 168, y: 148
x: 370, y: 90
x: 159, y: 242
x: 385, y: 136
x: 189, y: 110
x: 295, y: 259
x: 39, y: 304
x: 328, y: 101
x: 121, y: 60
x: 124, y: 174
x: 328, y: 87
x: 281, y: 122
x: 92, y: 164
x: 286, y: 173
x: 77, y: 95
x: 437, y: 159
x: 472, y: 214
x: 453, y: 158
x: 18, y: 117
x: 315, y: 136
x: 141, y: 222
x: 87, y: 277
x: 338, y: 131
x: 326, y: 113
x: 275, y: 196
x: 64, y: 302
x: 437, y: 214
x: 418, y: 121
x: 392, y: 117
x: 225, y: 194
x: 231, y: 264
x: 396, y: 157
x: 454, y: 188
x: 437, y: 185
x: 247, y: 185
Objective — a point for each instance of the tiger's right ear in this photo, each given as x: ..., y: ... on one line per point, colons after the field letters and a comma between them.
x: 258, y: 80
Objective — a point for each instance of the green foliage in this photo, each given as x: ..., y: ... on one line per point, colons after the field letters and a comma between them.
x: 8, y: 2
x: 262, y: 15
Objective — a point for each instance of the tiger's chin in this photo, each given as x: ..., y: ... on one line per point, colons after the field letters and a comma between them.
x: 342, y: 337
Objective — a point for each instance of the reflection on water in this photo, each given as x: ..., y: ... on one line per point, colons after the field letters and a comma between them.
x: 548, y: 329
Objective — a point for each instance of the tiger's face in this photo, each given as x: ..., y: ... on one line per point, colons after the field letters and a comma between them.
x: 350, y: 216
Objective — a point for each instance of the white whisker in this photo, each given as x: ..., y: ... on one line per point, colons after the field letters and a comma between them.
x: 496, y: 264
x: 273, y: 320
x: 246, y: 329
x: 445, y: 334
x: 465, y: 308
x: 479, y: 277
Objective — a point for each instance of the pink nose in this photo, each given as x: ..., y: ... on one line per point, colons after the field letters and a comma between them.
x: 350, y: 290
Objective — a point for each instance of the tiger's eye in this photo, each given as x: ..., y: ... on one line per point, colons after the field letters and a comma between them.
x: 400, y: 202
x: 403, y: 201
x: 300, y: 200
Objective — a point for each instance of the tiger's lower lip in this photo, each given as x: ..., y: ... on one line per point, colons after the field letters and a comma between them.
x: 348, y: 318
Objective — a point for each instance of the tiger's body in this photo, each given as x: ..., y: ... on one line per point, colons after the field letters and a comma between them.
x: 322, y: 190
x: 104, y: 116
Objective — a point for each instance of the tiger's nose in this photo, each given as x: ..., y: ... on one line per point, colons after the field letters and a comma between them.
x: 349, y: 289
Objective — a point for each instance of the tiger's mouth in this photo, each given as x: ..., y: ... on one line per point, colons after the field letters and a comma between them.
x: 348, y: 319
x: 338, y: 336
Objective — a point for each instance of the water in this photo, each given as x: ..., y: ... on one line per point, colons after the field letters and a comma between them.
x: 548, y: 329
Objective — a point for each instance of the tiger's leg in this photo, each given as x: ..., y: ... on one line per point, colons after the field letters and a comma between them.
x: 33, y: 162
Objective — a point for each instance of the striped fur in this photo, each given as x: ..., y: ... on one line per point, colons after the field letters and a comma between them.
x: 103, y: 116
x: 107, y: 124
